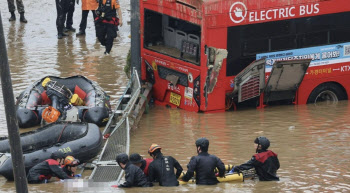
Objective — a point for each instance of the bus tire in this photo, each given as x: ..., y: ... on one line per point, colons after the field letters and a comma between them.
x: 327, y: 92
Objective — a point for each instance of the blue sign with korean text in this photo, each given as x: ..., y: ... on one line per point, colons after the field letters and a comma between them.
x: 320, y: 55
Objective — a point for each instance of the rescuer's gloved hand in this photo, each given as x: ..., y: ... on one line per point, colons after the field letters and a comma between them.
x: 231, y: 171
x: 77, y: 175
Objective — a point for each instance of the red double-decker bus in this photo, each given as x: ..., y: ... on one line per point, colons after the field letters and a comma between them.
x: 207, y: 55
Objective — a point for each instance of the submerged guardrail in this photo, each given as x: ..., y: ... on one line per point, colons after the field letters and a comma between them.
x: 117, y: 132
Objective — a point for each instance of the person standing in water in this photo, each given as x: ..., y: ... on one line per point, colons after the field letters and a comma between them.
x: 134, y: 176
x: 138, y: 161
x: 61, y: 7
x: 161, y: 169
x: 265, y: 162
x: 20, y: 8
x: 86, y: 7
x: 107, y: 22
x: 70, y: 12
x: 204, y: 165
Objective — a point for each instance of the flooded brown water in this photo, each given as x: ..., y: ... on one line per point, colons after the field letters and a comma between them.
x: 312, y: 142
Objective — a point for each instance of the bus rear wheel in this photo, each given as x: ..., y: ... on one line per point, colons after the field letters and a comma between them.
x: 330, y: 93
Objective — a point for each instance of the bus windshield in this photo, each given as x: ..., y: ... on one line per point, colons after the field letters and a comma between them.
x: 172, y: 37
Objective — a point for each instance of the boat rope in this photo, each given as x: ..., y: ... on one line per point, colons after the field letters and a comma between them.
x: 65, y: 125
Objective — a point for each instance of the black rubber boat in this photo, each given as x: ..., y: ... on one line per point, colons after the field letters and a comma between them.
x: 34, y: 99
x: 81, y: 140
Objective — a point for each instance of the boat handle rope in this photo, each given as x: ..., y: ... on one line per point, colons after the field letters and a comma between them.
x: 62, y: 132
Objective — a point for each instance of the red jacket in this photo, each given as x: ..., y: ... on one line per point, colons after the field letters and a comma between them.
x: 45, y: 170
x: 145, y: 165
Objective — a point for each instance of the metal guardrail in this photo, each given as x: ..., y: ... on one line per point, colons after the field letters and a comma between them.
x: 118, y: 127
x: 132, y: 91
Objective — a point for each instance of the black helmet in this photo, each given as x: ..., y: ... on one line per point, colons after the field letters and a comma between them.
x: 122, y: 158
x: 58, y: 155
x: 203, y: 143
x: 263, y: 141
x: 135, y: 158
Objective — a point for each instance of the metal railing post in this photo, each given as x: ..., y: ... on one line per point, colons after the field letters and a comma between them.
x: 135, y: 36
x: 10, y: 111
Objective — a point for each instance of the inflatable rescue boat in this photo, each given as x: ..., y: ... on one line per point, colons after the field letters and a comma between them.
x: 81, y: 140
x: 73, y: 99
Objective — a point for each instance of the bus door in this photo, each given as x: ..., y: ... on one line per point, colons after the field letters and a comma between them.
x: 281, y: 84
x: 284, y: 80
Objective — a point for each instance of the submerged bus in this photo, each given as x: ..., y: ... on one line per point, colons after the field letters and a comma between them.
x: 207, y: 55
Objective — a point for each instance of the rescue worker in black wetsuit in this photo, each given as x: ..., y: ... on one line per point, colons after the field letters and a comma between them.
x: 138, y: 161
x: 204, y: 165
x: 265, y: 161
x: 43, y: 171
x: 134, y: 176
x: 162, y: 168
x: 107, y: 22
x: 61, y: 7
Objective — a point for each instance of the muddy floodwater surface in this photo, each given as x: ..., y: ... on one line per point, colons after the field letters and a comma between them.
x: 312, y: 142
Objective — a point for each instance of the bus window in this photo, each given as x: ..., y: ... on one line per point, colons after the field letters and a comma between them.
x: 339, y: 35
x: 283, y: 43
x: 153, y: 33
x: 172, y: 37
x: 314, y: 39
x: 244, y: 42
x: 252, y: 46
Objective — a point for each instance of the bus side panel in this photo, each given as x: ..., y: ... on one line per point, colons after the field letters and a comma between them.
x: 229, y: 83
x: 216, y: 100
x: 336, y: 73
x: 260, y: 11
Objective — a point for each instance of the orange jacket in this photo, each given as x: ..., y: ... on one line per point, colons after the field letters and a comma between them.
x: 89, y: 4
